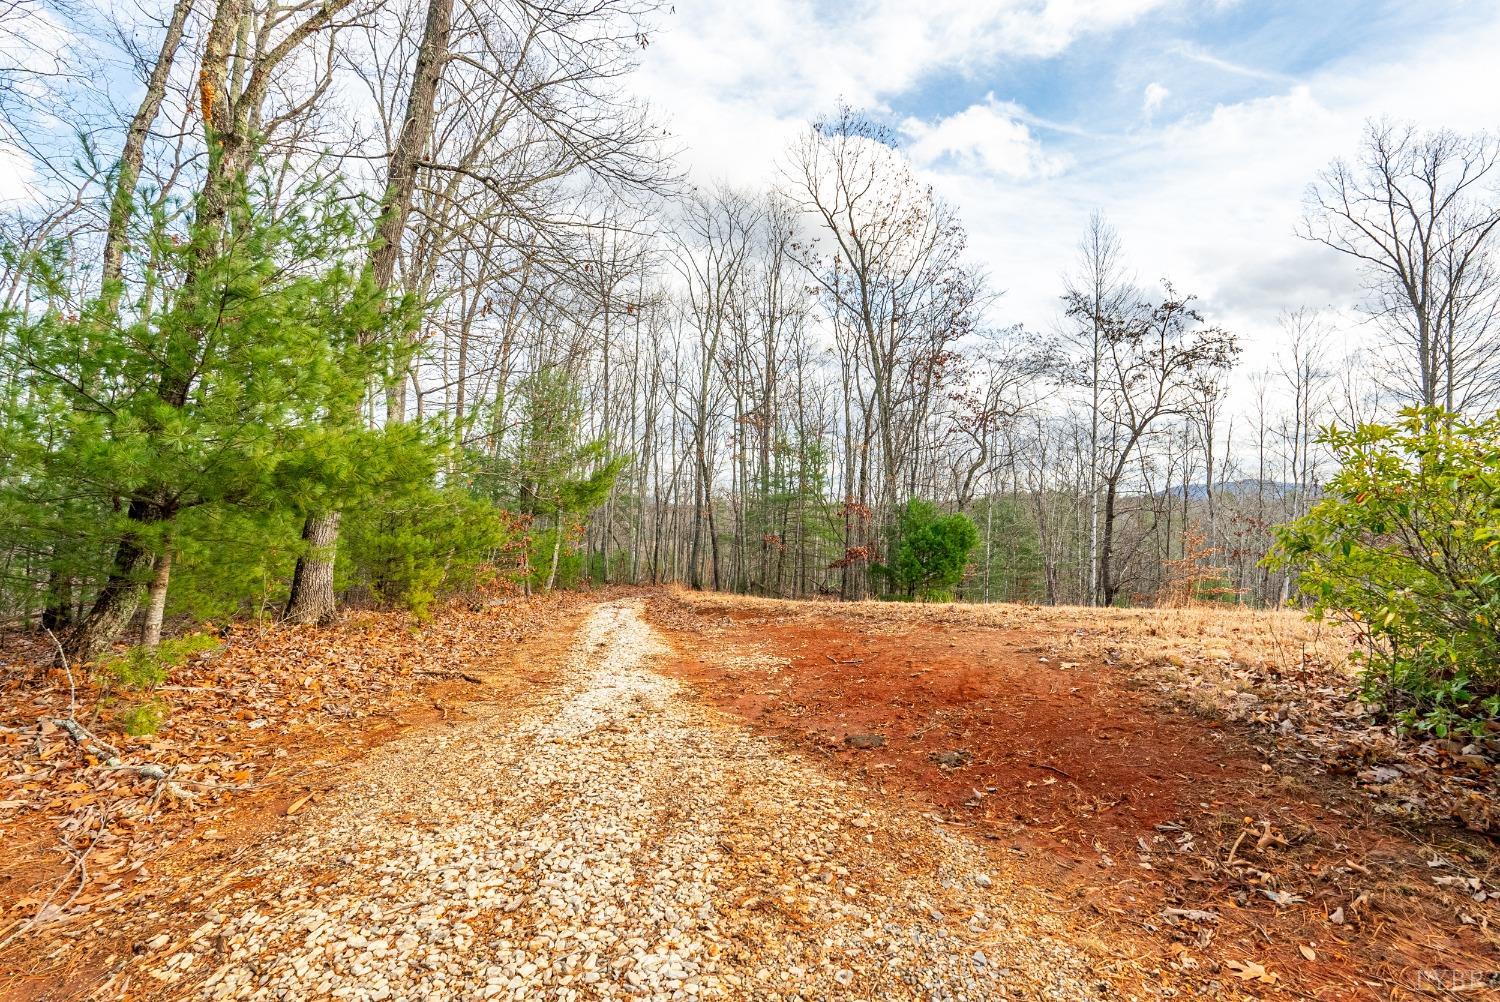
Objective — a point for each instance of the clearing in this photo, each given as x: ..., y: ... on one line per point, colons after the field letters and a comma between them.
x: 668, y: 795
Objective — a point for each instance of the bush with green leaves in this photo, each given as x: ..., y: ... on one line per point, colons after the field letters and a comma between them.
x: 140, y: 670
x: 1405, y: 545
x: 143, y: 669
x: 553, y: 476
x: 141, y: 720
x: 931, y: 551
x: 419, y: 543
x: 224, y: 390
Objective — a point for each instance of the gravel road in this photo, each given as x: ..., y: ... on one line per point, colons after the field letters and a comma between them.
x: 616, y: 839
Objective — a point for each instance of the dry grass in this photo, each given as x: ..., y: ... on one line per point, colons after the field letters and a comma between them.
x: 1272, y: 640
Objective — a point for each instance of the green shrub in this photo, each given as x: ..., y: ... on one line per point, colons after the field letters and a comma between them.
x: 141, y: 720
x: 931, y: 551
x: 410, y: 548
x: 143, y: 669
x: 1405, y: 545
x: 570, y: 562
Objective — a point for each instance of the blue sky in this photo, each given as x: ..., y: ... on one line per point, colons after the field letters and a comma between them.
x: 1194, y: 125
x: 1203, y: 53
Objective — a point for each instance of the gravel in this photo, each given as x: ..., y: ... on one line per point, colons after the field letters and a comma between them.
x: 615, y: 839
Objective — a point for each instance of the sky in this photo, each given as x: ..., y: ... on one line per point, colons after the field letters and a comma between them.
x: 1195, y: 126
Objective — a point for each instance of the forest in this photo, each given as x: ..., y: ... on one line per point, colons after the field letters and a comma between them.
x: 373, y: 303
x: 786, y: 501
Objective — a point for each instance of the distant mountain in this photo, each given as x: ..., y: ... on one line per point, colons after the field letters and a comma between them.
x: 1236, y: 488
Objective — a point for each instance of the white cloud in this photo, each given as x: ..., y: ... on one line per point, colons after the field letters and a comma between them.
x: 1153, y: 98
x: 1198, y: 55
x: 738, y: 78
x: 16, y: 175
x: 986, y: 137
x: 1212, y: 199
x: 1208, y: 196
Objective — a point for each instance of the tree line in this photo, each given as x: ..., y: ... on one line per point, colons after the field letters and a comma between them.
x: 378, y: 301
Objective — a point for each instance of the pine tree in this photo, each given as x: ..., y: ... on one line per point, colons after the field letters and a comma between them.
x: 196, y: 394
x: 549, y: 474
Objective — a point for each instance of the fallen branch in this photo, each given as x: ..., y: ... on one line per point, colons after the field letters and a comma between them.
x: 96, y: 747
x: 473, y: 679
x: 62, y: 659
x: 111, y: 757
x: 1050, y: 768
x: 162, y: 776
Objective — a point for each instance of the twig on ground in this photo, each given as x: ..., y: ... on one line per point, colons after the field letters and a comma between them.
x: 80, y: 867
x: 1236, y: 847
x: 86, y: 740
x: 62, y: 659
x: 466, y: 676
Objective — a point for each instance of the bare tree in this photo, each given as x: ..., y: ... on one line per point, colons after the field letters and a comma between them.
x: 1098, y: 291
x: 132, y: 157
x: 888, y: 257
x: 1160, y: 360
x: 1420, y: 213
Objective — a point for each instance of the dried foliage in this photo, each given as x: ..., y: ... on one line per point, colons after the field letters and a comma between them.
x: 240, y: 719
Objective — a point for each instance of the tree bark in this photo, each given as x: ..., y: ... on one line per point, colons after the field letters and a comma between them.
x: 116, y: 602
x: 401, y: 169
x: 156, y: 600
x: 315, y: 569
x: 557, y: 535
x: 134, y: 153
x: 312, y: 600
x: 1107, y: 583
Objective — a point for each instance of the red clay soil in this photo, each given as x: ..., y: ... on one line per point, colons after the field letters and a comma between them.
x: 1112, y: 797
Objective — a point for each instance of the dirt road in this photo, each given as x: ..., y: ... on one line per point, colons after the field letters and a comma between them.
x: 616, y: 838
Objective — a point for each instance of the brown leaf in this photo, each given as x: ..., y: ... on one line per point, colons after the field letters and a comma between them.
x: 1249, y: 970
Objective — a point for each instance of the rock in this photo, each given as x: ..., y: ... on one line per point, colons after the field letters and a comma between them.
x: 951, y: 759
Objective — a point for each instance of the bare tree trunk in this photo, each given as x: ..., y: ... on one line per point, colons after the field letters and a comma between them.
x: 315, y: 568
x: 557, y: 535
x: 116, y: 602
x: 1108, y: 586
x: 401, y: 175
x: 312, y: 600
x: 156, y: 600
x: 134, y: 153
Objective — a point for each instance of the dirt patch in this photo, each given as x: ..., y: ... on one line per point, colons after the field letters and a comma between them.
x: 1057, y: 736
x: 156, y: 858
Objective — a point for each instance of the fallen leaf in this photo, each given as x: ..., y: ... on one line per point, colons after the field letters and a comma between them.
x: 1307, y: 951
x: 298, y: 804
x: 1249, y: 970
x: 1192, y: 914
